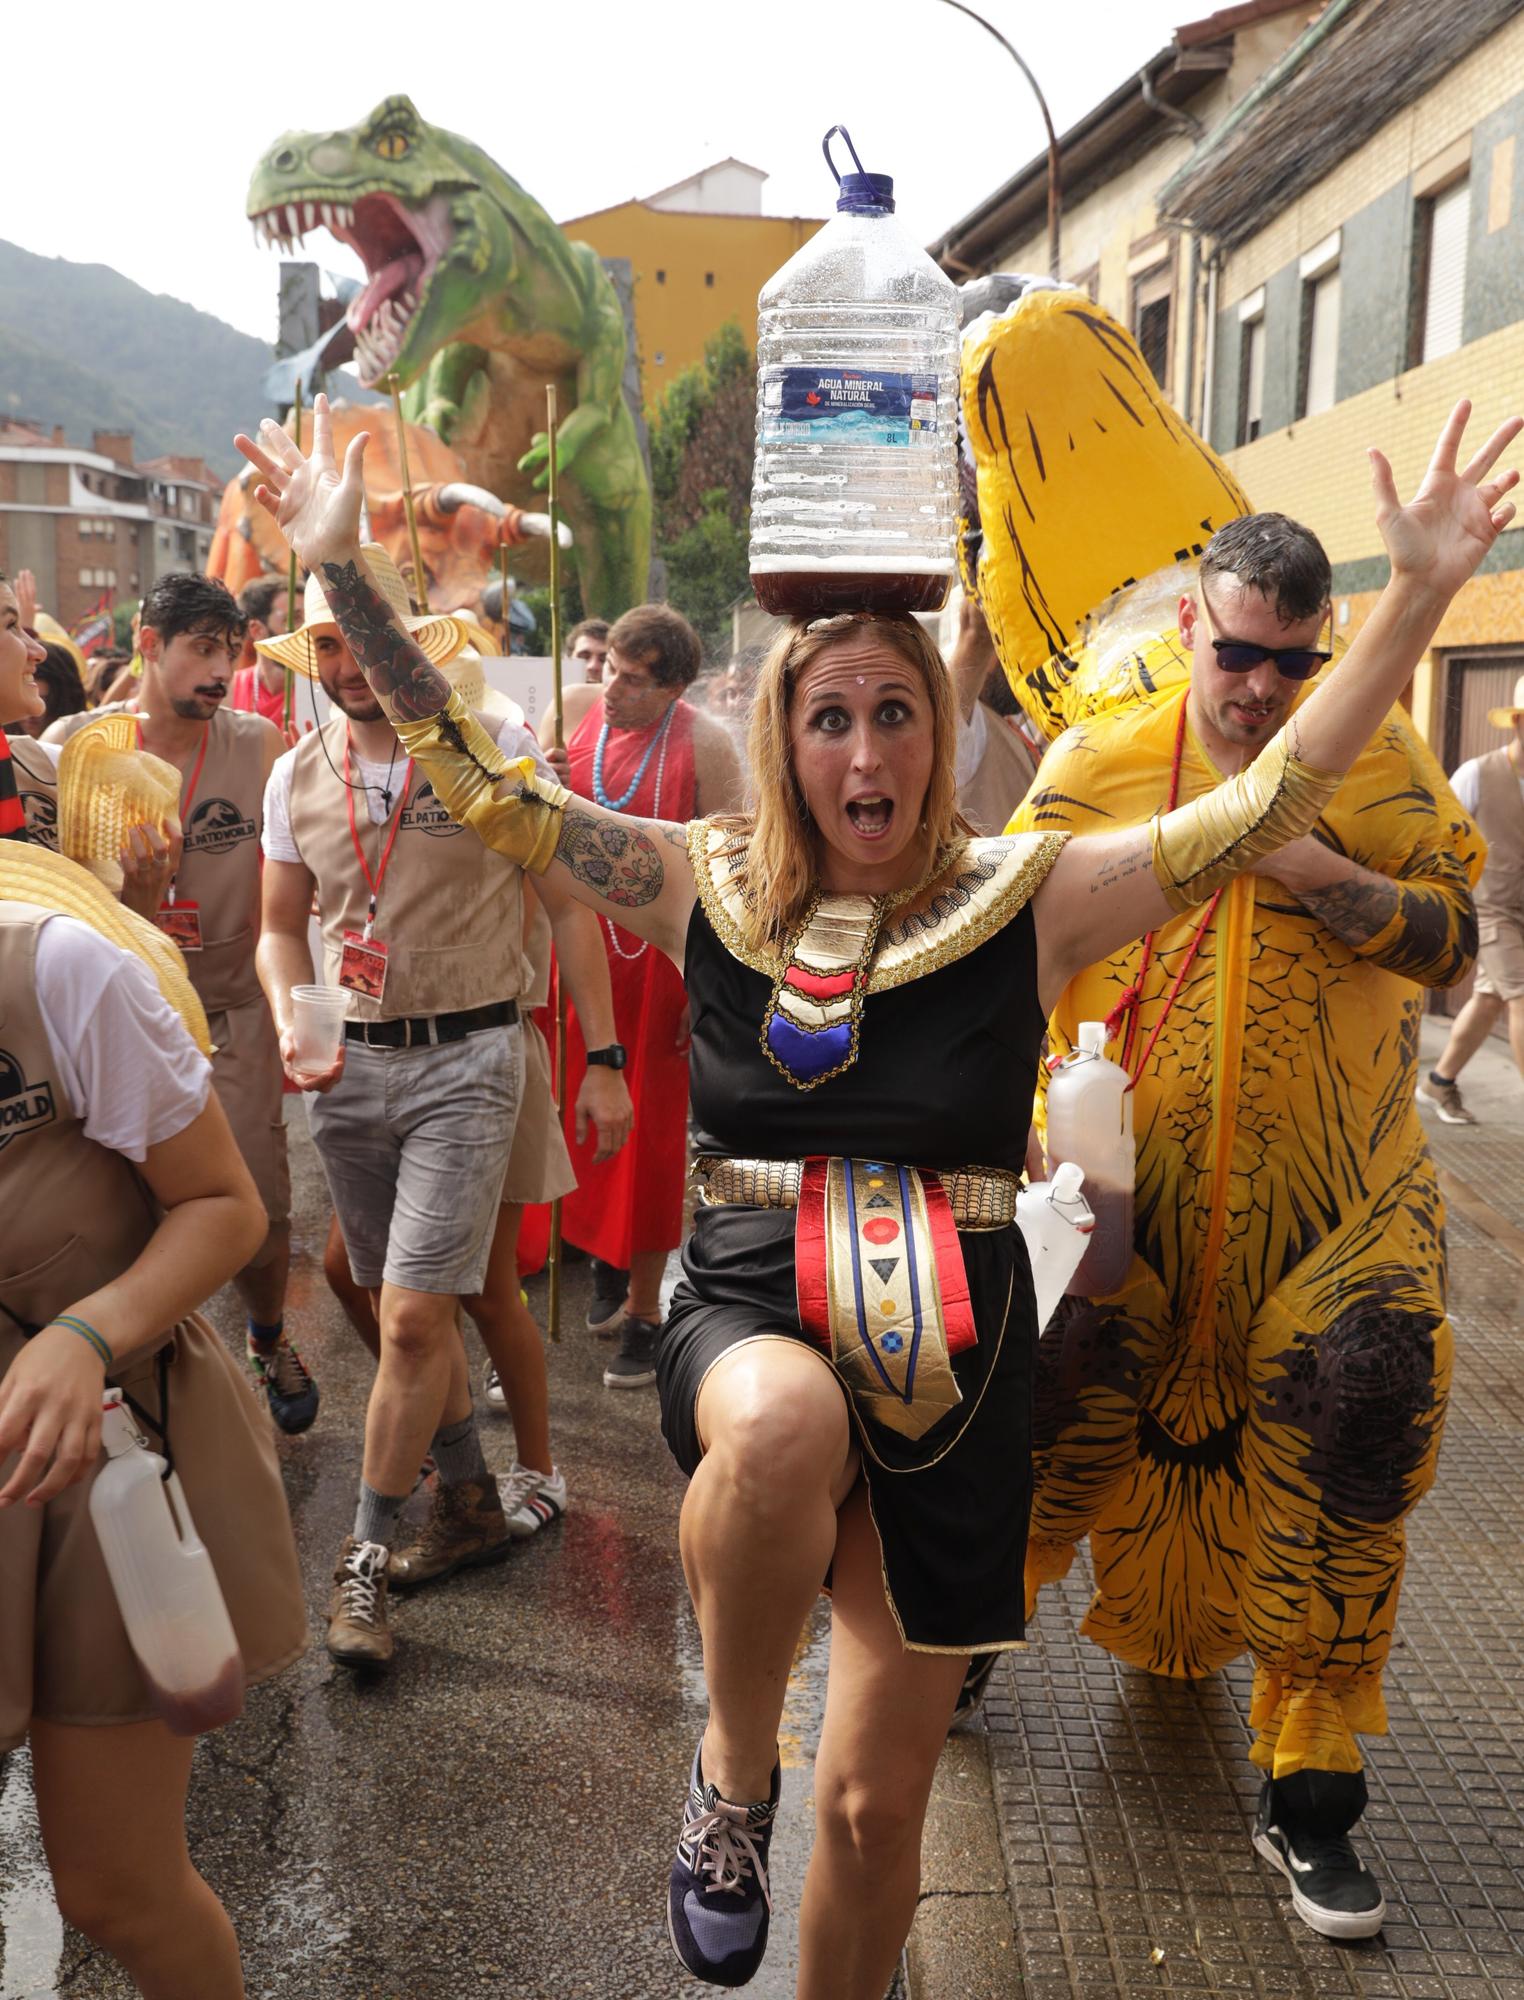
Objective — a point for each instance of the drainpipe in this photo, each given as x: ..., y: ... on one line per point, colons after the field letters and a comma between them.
x: 1209, y: 365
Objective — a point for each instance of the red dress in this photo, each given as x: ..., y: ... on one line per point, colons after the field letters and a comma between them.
x: 633, y: 1202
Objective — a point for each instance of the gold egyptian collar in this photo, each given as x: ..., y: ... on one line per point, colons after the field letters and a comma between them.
x: 984, y: 886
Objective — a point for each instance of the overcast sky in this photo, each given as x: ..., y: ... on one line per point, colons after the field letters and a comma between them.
x: 145, y: 165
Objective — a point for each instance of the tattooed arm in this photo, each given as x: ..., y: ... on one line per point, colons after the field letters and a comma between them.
x: 1422, y: 924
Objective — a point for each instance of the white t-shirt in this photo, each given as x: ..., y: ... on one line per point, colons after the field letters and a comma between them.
x: 513, y: 739
x: 1467, y: 784
x: 130, y: 1068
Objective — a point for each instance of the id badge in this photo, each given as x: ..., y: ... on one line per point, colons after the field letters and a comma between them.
x: 181, y: 921
x: 362, y: 965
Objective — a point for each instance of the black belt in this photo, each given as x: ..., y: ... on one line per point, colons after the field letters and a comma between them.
x: 426, y: 1030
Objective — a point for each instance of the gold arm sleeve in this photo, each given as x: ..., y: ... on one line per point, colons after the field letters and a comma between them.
x: 1201, y: 847
x: 465, y: 767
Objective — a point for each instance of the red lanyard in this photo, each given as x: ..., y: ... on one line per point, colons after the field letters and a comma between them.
x: 187, y: 798
x: 373, y: 883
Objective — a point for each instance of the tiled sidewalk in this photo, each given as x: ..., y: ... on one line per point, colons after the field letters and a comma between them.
x: 1124, y: 1802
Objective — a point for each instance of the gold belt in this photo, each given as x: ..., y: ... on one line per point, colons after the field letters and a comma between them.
x: 980, y: 1197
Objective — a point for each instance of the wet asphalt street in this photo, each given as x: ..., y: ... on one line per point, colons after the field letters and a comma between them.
x: 493, y: 1819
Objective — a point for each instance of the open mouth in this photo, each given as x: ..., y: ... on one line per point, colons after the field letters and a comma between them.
x: 400, y: 248
x: 870, y: 817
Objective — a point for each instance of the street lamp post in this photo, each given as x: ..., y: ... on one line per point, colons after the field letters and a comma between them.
x: 1055, y: 168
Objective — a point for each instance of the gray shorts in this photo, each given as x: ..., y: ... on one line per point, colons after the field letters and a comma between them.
x: 415, y: 1144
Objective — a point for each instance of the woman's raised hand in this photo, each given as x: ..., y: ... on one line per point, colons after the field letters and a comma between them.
x: 314, y: 504
x: 1440, y: 537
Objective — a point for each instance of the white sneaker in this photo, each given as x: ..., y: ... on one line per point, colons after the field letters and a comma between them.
x: 1444, y: 1097
x: 492, y: 1389
x: 531, y: 1501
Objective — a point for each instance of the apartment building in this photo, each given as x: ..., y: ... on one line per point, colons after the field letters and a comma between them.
x: 1360, y: 217
x: 93, y: 525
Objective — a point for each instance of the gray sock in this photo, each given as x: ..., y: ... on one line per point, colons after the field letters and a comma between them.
x: 457, y: 1451
x: 377, y: 1515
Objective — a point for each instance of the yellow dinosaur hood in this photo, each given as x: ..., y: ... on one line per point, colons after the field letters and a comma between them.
x: 1086, y: 482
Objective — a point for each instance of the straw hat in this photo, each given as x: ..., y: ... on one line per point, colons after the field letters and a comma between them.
x: 466, y: 676
x: 106, y: 785
x: 1505, y: 718
x: 438, y: 636
x: 30, y: 874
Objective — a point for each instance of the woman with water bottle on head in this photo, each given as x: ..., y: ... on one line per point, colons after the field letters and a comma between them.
x: 845, y: 1370
x: 123, y: 1204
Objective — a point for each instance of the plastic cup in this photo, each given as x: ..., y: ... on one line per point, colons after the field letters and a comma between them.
x: 317, y: 1026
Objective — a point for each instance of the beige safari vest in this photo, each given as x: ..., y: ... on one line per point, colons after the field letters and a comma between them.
x: 37, y: 787
x: 75, y: 1214
x: 450, y: 911
x: 219, y: 870
x: 1500, y: 815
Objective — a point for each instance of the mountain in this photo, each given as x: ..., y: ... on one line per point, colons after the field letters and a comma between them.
x: 82, y: 346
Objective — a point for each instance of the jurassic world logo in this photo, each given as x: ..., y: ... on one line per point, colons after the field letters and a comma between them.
x: 217, y: 826
x: 424, y: 814
x: 24, y: 1107
x: 41, y: 809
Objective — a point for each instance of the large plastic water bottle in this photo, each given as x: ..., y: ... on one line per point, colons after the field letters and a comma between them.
x: 1056, y: 1225
x: 1090, y: 1124
x: 855, y: 489
x: 166, y: 1588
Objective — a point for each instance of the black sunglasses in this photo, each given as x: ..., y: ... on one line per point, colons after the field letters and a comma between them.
x: 1241, y: 656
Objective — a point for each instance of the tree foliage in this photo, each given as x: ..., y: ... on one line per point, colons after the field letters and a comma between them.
x: 701, y: 452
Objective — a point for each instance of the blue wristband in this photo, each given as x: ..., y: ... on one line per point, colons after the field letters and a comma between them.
x: 86, y: 1332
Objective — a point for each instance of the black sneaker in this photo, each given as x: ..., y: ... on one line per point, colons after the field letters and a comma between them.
x: 634, y: 1366
x: 611, y: 1287
x: 289, y: 1388
x: 971, y: 1694
x: 718, y: 1905
x: 1332, y: 1890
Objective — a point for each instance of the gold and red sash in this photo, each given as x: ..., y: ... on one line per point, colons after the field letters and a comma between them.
x: 881, y: 1286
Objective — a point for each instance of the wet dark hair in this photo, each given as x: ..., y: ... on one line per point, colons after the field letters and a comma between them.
x: 257, y: 599
x: 660, y: 639
x: 185, y: 601
x: 62, y: 690
x: 1276, y: 556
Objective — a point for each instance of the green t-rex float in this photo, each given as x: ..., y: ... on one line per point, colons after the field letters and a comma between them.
x: 476, y: 300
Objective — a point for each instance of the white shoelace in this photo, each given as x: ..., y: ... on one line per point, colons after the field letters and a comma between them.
x: 726, y: 1852
x: 362, y: 1586
x: 518, y: 1486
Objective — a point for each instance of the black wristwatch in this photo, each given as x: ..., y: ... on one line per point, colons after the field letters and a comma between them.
x: 613, y: 1057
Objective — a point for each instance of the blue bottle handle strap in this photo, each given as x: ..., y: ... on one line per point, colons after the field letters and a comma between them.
x: 825, y: 147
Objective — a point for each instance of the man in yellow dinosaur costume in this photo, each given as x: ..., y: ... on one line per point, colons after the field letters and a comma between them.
x: 1243, y: 1428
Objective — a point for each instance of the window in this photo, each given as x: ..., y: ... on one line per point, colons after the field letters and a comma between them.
x: 1251, y: 368
x: 661, y: 358
x: 1320, y: 343
x: 1152, y: 298
x: 1439, y: 270
x: 709, y: 279
x: 661, y: 277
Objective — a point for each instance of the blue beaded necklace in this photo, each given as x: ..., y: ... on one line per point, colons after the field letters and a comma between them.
x: 656, y: 742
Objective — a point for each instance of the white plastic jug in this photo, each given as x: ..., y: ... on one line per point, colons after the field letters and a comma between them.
x: 166, y: 1588
x: 855, y: 489
x: 1056, y: 1224
x: 1090, y: 1124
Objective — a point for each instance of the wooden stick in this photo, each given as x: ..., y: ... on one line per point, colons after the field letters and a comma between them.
x: 288, y: 696
x: 420, y: 581
x: 554, y: 1260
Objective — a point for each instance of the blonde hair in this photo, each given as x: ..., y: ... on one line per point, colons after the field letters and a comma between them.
x: 781, y: 870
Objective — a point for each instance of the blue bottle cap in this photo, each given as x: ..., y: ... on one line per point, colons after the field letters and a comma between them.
x: 866, y: 194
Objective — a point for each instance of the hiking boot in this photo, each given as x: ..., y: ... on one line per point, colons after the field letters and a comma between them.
x: 1302, y: 1828
x: 971, y: 1694
x: 531, y: 1500
x: 1444, y: 1097
x: 464, y: 1528
x: 611, y: 1287
x: 718, y: 1905
x: 289, y: 1388
x: 358, y: 1634
x: 634, y: 1366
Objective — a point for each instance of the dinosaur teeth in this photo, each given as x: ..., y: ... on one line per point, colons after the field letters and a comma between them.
x: 293, y: 221
x: 325, y: 210
x: 309, y: 211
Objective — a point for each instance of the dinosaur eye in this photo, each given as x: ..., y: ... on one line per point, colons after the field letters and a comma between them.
x: 392, y: 145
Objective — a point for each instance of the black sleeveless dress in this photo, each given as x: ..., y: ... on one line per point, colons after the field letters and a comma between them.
x: 943, y: 1078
